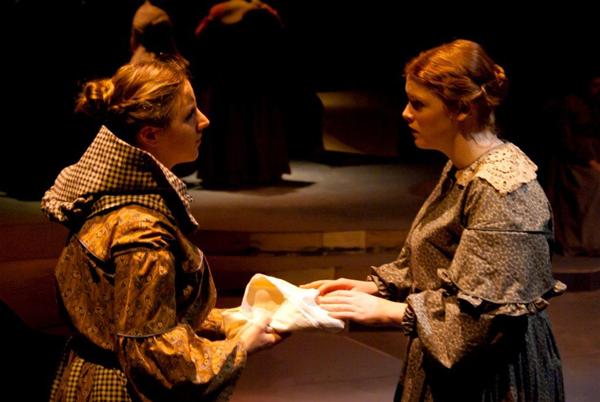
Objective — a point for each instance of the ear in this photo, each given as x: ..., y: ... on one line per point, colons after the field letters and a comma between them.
x: 147, y: 137
x: 464, y: 111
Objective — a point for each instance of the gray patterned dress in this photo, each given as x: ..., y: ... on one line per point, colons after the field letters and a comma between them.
x: 476, y: 273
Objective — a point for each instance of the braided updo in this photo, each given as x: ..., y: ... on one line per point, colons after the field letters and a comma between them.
x: 137, y: 95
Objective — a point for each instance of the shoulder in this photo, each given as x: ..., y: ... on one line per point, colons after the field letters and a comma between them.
x: 501, y: 192
x: 126, y: 228
x: 505, y: 168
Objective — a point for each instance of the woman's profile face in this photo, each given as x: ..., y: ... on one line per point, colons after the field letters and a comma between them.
x: 179, y: 142
x: 429, y: 121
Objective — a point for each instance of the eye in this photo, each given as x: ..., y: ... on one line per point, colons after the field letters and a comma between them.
x: 416, y: 104
x: 191, y: 116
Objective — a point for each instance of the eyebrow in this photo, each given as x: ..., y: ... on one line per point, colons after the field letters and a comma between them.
x: 189, y: 102
x: 190, y: 110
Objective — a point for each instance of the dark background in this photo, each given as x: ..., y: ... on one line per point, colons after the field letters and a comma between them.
x: 50, y: 48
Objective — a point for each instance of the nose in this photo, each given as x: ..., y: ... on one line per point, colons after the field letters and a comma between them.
x: 203, y: 121
x: 407, y: 114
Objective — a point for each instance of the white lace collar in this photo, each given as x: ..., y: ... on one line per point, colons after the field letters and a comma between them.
x: 505, y: 167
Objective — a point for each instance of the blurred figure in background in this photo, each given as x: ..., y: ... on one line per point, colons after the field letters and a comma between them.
x: 151, y: 34
x: 262, y: 110
x: 573, y: 184
x: 242, y: 78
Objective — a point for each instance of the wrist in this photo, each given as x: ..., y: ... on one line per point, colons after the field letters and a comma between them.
x: 395, y: 313
x: 380, y: 287
x: 370, y: 287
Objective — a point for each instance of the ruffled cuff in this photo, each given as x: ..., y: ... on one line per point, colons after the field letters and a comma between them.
x: 382, y: 289
x: 520, y: 309
x: 513, y: 309
x: 409, y: 321
x: 212, y: 327
x: 179, y: 363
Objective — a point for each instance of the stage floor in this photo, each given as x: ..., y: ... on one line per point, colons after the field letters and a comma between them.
x: 323, y: 215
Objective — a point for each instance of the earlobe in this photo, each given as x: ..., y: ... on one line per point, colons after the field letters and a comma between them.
x: 462, y: 116
x: 147, y: 137
x: 463, y: 112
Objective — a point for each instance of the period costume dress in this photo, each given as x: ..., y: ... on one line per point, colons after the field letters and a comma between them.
x: 151, y: 34
x: 138, y: 293
x: 476, y: 274
x: 243, y: 86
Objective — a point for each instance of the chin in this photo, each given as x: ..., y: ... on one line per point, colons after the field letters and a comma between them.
x: 192, y: 158
x: 186, y: 160
x: 419, y: 144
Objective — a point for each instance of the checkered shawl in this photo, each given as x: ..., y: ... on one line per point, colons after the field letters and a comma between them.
x: 113, y: 173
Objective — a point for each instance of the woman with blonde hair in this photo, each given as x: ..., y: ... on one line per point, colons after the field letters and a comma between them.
x: 139, y: 295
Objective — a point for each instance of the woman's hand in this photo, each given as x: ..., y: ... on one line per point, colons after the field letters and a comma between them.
x: 362, y: 308
x: 329, y: 285
x: 258, y: 335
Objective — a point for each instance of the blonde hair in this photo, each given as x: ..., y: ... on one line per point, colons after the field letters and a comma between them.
x: 463, y: 75
x: 137, y: 95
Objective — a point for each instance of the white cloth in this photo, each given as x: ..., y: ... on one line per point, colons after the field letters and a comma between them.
x: 291, y: 308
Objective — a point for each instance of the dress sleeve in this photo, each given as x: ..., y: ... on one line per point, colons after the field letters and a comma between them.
x: 213, y: 325
x: 162, y: 357
x: 499, y: 274
x: 393, y: 279
x: 448, y: 331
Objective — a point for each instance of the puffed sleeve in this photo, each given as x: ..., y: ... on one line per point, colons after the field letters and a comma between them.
x: 393, y: 279
x: 213, y: 325
x: 500, y: 273
x: 165, y: 359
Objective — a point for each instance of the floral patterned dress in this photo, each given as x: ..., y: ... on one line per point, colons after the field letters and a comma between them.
x: 476, y: 274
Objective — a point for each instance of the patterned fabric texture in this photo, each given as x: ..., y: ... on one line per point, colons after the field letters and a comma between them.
x: 112, y: 173
x: 86, y: 381
x: 506, y: 168
x: 475, y: 271
x: 138, y: 293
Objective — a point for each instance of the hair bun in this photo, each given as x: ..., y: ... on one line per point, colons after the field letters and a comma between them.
x: 95, y: 97
x: 500, y: 75
x: 495, y: 90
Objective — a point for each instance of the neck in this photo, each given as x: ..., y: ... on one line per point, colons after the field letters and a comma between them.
x: 466, y: 149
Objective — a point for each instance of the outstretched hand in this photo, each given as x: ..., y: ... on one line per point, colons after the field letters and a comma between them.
x: 258, y: 335
x: 329, y: 285
x: 362, y: 308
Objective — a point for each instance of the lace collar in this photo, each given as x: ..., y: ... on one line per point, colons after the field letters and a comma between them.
x: 505, y: 167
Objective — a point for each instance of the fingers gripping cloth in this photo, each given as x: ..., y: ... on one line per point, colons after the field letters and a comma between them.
x: 290, y: 307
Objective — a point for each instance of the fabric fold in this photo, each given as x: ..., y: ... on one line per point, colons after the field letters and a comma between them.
x: 112, y: 173
x: 291, y: 308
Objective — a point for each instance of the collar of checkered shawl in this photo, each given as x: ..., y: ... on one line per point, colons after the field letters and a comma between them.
x: 110, y: 174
